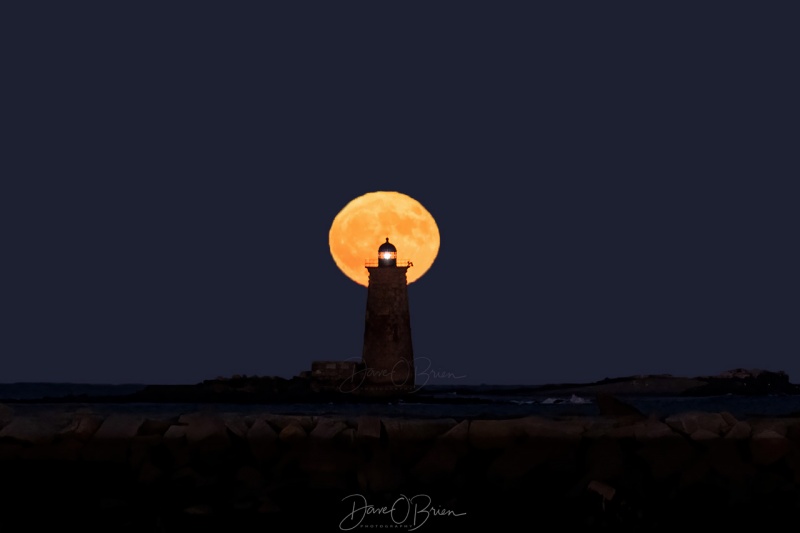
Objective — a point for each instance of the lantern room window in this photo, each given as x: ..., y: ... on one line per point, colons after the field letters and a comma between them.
x: 387, y: 254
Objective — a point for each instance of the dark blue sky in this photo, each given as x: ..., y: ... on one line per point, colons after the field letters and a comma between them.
x: 616, y: 187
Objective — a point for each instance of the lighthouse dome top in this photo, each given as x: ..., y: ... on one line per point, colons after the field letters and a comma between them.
x: 387, y: 247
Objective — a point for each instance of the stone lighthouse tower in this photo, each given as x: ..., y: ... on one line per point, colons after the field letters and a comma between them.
x: 388, y: 357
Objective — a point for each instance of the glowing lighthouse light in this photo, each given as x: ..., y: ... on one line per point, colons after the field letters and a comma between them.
x: 387, y: 254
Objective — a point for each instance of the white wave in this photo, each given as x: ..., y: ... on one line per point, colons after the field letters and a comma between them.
x: 577, y: 399
x: 574, y: 399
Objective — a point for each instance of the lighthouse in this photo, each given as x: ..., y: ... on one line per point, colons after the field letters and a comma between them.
x: 388, y: 356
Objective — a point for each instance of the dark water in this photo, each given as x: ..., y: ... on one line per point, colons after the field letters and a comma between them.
x: 471, y: 402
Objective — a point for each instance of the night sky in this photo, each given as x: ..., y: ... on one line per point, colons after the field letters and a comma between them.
x: 616, y: 186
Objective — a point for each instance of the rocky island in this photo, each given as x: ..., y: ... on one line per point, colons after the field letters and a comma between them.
x: 242, y: 389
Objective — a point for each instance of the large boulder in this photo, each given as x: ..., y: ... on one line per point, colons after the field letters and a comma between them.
x: 537, y: 428
x: 326, y: 429
x: 206, y: 433
x: 369, y: 429
x: 776, y: 425
x: 112, y: 440
x: 740, y: 430
x: 401, y: 430
x: 6, y: 414
x: 493, y: 434
x: 155, y: 426
x: 653, y: 430
x: 703, y: 434
x: 82, y: 427
x: 768, y: 447
x: 440, y: 460
x: 262, y: 440
x: 237, y: 425
x: 293, y: 434
x: 37, y: 430
x: 118, y: 427
x: 456, y: 435
x: 279, y: 422
x: 174, y: 440
x: 689, y: 422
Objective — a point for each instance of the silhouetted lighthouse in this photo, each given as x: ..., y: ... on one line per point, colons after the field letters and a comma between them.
x: 388, y: 356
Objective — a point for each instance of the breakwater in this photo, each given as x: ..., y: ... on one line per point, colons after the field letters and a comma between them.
x: 262, y: 471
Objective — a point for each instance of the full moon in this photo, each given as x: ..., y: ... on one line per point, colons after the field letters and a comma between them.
x: 366, y: 222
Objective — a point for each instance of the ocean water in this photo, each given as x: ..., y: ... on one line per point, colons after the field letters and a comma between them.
x: 482, y: 401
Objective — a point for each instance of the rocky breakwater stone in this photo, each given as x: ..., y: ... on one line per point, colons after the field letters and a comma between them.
x: 111, y: 441
x: 6, y: 415
x: 206, y: 433
x: 33, y: 437
x: 408, y: 439
x: 281, y: 421
x: 699, y: 425
x: 539, y: 428
x: 768, y: 443
x: 174, y: 441
x: 523, y: 444
x: 69, y: 441
x: 32, y: 430
x: 496, y: 434
x: 146, y: 452
x: 368, y: 429
x: 237, y: 425
x: 388, y: 462
x: 327, y: 460
x: 294, y: 433
x: 653, y: 430
x: 142, y: 448
x: 326, y: 429
x: 82, y: 427
x: 156, y: 426
x: 440, y: 461
x: 263, y: 441
x: 401, y: 430
x: 740, y: 430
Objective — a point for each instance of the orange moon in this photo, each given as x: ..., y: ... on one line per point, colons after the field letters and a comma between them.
x: 365, y: 223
